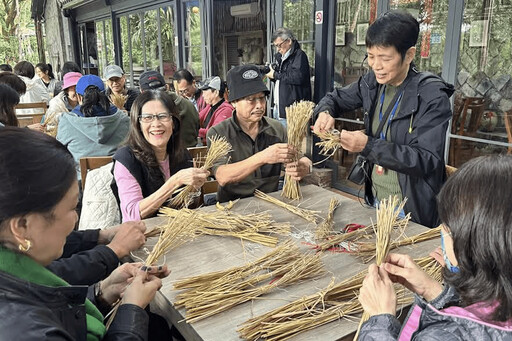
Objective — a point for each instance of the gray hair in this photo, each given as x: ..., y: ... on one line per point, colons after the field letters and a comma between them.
x: 284, y: 34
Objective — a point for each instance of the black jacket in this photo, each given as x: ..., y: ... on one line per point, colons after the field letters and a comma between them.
x: 30, y: 311
x: 83, y: 261
x: 418, y: 133
x: 294, y: 78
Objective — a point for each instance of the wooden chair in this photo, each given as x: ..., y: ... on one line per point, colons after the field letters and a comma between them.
x: 507, y: 117
x: 34, y: 117
x: 467, y: 115
x: 92, y: 162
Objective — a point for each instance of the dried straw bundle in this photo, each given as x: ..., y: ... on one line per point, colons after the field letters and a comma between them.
x: 387, y: 216
x: 326, y: 228
x: 335, y: 240
x: 219, y: 148
x: 330, y: 143
x: 252, y: 227
x: 217, y: 296
x: 51, y: 124
x: 298, y: 116
x: 118, y: 100
x: 309, y: 215
x: 366, y: 249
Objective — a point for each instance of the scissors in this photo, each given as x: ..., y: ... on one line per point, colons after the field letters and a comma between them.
x: 352, y: 227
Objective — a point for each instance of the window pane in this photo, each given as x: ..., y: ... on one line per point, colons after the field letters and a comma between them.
x: 109, y: 43
x: 125, y: 47
x: 100, y: 42
x: 484, y: 89
x: 136, y: 32
x: 432, y: 16
x: 193, y: 56
x: 168, y: 38
x: 151, y: 40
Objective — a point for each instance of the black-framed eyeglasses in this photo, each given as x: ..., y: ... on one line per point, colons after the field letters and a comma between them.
x: 278, y: 46
x: 148, y: 118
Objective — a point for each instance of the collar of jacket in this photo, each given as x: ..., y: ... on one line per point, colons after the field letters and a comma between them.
x: 295, y: 46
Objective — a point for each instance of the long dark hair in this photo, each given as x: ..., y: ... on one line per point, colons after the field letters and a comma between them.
x: 138, y: 143
x: 475, y: 205
x: 36, y: 171
x: 46, y: 68
x: 9, y: 98
x: 92, y: 97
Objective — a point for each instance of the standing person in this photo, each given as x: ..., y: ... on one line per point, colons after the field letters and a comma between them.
x: 217, y: 109
x: 66, y: 100
x: 259, y: 143
x: 94, y: 127
x: 45, y: 76
x: 189, y: 128
x: 407, y: 157
x: 476, y: 301
x: 291, y: 74
x: 35, y: 92
x: 153, y: 164
x: 186, y: 87
x: 38, y: 196
x: 116, y: 83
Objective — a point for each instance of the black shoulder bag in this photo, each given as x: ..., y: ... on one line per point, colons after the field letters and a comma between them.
x: 360, y: 170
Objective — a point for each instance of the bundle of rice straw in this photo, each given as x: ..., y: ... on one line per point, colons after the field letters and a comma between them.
x: 219, y: 148
x: 330, y: 143
x: 255, y: 227
x: 298, y: 116
x: 118, y: 100
x: 326, y: 228
x: 334, y: 302
x: 174, y: 234
x: 309, y: 215
x: 387, y: 216
x: 215, y: 296
x: 51, y: 124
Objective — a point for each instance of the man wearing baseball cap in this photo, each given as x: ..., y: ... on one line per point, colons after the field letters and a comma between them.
x: 259, y: 142
x: 153, y: 80
x: 116, y: 85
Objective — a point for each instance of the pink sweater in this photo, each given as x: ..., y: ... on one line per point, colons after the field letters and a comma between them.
x: 130, y: 193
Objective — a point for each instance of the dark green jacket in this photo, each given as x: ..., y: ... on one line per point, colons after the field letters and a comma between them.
x: 189, y: 129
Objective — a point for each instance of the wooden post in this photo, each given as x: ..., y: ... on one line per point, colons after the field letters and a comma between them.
x: 40, y: 42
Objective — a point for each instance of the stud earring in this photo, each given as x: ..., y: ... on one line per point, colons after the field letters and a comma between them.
x: 25, y: 248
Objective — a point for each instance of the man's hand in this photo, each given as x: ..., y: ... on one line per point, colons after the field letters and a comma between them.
x: 298, y: 170
x: 278, y: 153
x: 353, y: 141
x: 270, y: 74
x: 324, y: 123
x: 128, y: 237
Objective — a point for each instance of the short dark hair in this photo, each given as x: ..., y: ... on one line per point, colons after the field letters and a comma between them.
x: 36, y: 170
x: 396, y: 28
x: 5, y: 67
x: 14, y: 82
x: 183, y: 74
x: 138, y: 143
x: 475, y: 205
x: 25, y: 69
x: 46, y: 68
x: 70, y: 67
x: 9, y: 98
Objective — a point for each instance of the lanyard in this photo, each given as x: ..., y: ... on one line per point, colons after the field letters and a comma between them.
x: 391, y: 115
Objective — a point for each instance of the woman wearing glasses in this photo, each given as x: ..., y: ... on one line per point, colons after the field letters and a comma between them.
x: 153, y: 164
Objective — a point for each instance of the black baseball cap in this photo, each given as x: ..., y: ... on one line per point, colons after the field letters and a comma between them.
x: 245, y: 80
x: 151, y: 80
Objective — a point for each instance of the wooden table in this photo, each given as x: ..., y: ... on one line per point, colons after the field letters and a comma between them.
x: 211, y: 253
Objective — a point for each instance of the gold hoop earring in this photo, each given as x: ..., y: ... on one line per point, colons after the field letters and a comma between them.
x: 25, y: 248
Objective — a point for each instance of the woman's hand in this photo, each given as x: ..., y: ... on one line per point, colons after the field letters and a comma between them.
x: 324, y: 122
x: 437, y: 254
x: 402, y: 269
x: 142, y: 289
x: 126, y: 237
x: 377, y: 295
x: 195, y: 177
x: 37, y: 126
x: 298, y: 170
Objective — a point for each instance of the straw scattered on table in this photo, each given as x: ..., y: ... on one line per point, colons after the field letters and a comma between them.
x: 306, y: 214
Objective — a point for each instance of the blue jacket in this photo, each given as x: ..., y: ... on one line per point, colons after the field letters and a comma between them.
x: 99, y: 135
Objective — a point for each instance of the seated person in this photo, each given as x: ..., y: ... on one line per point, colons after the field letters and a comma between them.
x: 217, y: 109
x: 116, y: 85
x: 259, y: 142
x: 46, y: 78
x: 475, y: 301
x: 153, y: 164
x: 153, y: 80
x: 94, y: 127
x: 66, y: 100
x: 186, y: 87
x: 38, y: 196
x: 9, y: 98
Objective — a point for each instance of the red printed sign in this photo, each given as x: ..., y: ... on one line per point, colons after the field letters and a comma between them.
x: 319, y: 17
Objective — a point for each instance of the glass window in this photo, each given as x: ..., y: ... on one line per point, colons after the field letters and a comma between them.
x: 126, y: 48
x: 151, y: 40
x: 109, y: 43
x: 137, y: 50
x: 193, y: 57
x: 168, y: 40
x: 100, y: 41
x: 483, y: 100
x: 298, y: 16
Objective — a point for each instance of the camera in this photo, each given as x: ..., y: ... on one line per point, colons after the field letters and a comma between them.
x: 264, y: 69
